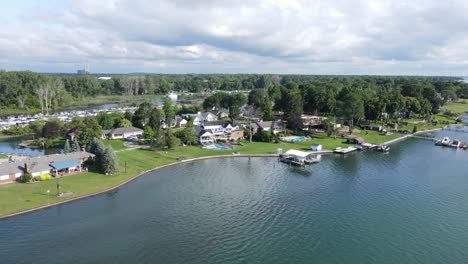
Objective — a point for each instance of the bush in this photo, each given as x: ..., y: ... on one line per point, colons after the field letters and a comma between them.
x: 45, y: 177
x: 27, y: 177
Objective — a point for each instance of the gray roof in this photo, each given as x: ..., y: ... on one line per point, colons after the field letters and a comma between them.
x: 216, y: 123
x: 42, y: 163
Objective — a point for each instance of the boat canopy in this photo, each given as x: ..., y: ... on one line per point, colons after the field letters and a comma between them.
x: 297, y: 153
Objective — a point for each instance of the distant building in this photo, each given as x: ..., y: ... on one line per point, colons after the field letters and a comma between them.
x: 122, y: 133
x: 84, y: 71
x: 104, y: 78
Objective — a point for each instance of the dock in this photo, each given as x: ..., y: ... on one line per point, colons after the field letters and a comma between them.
x: 345, y: 150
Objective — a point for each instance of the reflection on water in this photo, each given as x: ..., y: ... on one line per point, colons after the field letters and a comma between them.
x: 10, y: 146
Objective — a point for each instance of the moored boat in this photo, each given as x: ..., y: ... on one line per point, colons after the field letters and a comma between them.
x: 383, y: 148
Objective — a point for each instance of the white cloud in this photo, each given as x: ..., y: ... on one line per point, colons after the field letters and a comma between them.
x: 337, y: 36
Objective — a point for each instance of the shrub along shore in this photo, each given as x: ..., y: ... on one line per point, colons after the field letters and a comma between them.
x: 21, y: 198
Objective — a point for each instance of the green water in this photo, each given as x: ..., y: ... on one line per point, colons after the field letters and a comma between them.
x: 408, y: 206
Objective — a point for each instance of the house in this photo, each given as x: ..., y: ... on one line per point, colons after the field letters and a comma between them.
x: 221, y: 113
x: 204, y: 136
x: 56, y: 165
x: 122, y: 133
x: 210, y: 132
x: 357, y: 140
x: 200, y: 117
x: 180, y: 122
x: 274, y: 127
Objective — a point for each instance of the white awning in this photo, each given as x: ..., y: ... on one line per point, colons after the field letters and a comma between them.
x: 297, y: 153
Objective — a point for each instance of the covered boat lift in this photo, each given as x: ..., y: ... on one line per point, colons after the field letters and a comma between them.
x: 299, y: 158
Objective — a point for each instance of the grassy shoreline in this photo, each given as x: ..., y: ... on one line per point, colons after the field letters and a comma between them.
x: 19, y: 198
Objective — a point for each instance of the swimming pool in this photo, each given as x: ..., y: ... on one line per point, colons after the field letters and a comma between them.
x: 216, y: 147
x: 294, y: 138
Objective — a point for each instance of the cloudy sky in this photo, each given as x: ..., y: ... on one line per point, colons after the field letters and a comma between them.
x: 266, y: 36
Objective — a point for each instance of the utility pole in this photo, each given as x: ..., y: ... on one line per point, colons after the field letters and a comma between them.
x: 250, y: 130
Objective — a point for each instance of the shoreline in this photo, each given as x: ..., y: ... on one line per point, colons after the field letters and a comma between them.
x: 2, y: 217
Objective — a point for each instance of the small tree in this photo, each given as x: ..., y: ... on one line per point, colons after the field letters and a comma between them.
x: 148, y: 132
x: 109, y: 161
x: 27, y: 177
x: 75, y: 147
x: 66, y: 147
x: 125, y: 123
x: 171, y: 140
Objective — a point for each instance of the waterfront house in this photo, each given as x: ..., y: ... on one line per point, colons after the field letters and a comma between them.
x: 122, y: 133
x: 275, y: 127
x: 56, y: 165
x: 210, y: 132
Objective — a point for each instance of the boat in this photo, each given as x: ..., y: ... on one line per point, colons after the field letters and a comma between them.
x: 22, y: 145
x: 383, y: 148
x: 447, y: 142
x: 359, y: 147
x: 292, y: 160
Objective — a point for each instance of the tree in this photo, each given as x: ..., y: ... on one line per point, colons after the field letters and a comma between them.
x: 52, y: 129
x: 148, y: 132
x: 169, y: 112
x: 264, y: 136
x: 105, y: 120
x: 187, y: 136
x: 88, y: 130
x: 293, y: 107
x: 75, y: 146
x: 66, y: 147
x: 351, y: 106
x: 125, y: 123
x: 170, y: 139
x: 109, y: 162
x: 156, y: 116
x: 141, y: 116
x: 234, y: 102
x: 97, y: 148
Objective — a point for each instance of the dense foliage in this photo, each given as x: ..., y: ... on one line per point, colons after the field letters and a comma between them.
x: 30, y: 91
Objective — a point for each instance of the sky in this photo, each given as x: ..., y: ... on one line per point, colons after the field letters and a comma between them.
x: 418, y: 37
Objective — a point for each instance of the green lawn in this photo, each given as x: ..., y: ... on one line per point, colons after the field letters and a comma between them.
x: 16, y: 197
x: 116, y: 144
x: 375, y: 137
x: 457, y: 107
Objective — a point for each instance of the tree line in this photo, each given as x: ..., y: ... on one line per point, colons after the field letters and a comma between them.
x: 43, y: 92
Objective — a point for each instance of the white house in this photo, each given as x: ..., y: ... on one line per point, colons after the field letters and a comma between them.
x: 212, y: 131
x: 122, y: 133
x: 199, y: 118
x: 274, y: 127
x: 179, y: 122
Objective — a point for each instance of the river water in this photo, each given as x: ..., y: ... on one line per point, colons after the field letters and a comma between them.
x: 407, y: 206
x: 9, y: 146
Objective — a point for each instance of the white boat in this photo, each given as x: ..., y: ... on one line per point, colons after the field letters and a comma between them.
x: 383, y: 148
